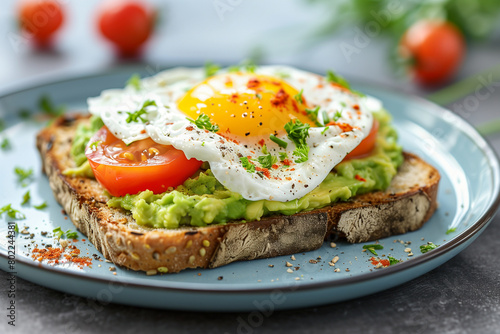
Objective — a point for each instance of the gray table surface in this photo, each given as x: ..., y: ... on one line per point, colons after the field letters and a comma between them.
x: 461, y: 296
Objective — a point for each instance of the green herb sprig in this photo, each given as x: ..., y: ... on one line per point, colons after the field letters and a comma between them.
x: 11, y: 212
x: 136, y: 116
x: 59, y: 233
x: 134, y: 81
x: 247, y: 164
x: 428, y: 247
x: 24, y: 176
x: 211, y: 69
x: 267, y: 161
x: 298, y: 133
x: 372, y: 248
x: 203, y: 122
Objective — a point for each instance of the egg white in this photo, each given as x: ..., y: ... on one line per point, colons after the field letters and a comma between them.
x: 166, y: 124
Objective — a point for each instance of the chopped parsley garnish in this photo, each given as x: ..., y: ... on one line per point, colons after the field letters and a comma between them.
x: 247, y: 65
x: 12, y: 213
x: 40, y: 206
x: 281, y: 143
x: 282, y: 75
x: 371, y: 248
x: 428, y: 247
x: 313, y: 115
x: 5, y: 145
x: 94, y: 145
x: 337, y: 115
x: 134, y: 81
x: 23, y: 175
x: 337, y: 79
x: 71, y: 234
x: 325, y: 117
x: 59, y: 233
x: 203, y: 122
x: 283, y: 156
x: 267, y: 161
x: 358, y: 93
x: 211, y: 69
x: 136, y: 116
x: 451, y: 230
x: 247, y: 164
x: 392, y: 260
x: 26, y: 198
x: 47, y: 106
x: 298, y: 97
x: 297, y: 133
x: 324, y: 130
x: 264, y: 149
x: 259, y: 96
x: 16, y: 228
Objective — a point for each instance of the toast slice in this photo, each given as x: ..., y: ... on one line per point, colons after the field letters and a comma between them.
x: 405, y: 206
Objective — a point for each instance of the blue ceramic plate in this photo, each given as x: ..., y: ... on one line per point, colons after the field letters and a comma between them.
x: 468, y: 198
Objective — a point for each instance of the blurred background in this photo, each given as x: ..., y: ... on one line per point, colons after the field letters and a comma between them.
x: 439, y: 49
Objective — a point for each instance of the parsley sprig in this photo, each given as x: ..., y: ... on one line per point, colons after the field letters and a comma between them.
x: 298, y: 133
x: 5, y: 145
x: 246, y: 65
x: 245, y: 162
x: 267, y: 161
x: 372, y: 248
x: 134, y: 81
x: 23, y: 175
x: 298, y: 97
x: 339, y: 80
x: 428, y: 247
x: 313, y: 115
x: 211, y: 69
x: 203, y: 122
x: 136, y: 116
x: 11, y: 212
x: 26, y: 198
x: 393, y: 260
x: 40, y: 206
x: 332, y: 77
x: 59, y: 233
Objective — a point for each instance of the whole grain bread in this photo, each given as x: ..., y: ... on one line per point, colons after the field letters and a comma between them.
x: 405, y: 206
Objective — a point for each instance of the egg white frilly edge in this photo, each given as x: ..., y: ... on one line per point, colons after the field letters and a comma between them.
x: 169, y: 126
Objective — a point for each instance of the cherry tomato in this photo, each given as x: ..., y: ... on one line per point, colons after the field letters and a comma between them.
x: 434, y: 49
x: 127, y: 24
x: 142, y: 165
x: 40, y: 19
x: 366, y: 146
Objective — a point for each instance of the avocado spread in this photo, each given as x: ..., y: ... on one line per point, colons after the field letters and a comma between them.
x: 202, y: 200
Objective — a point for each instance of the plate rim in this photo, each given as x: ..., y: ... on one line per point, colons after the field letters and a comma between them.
x: 463, y: 125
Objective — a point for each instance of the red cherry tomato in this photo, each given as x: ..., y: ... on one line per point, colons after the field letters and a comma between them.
x: 366, y: 146
x: 142, y: 165
x: 127, y: 24
x: 434, y: 49
x: 40, y: 19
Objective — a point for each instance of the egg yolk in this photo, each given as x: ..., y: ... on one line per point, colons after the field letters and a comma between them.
x: 246, y: 104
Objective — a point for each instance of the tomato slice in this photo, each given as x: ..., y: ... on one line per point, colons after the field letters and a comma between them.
x: 366, y: 146
x: 142, y: 165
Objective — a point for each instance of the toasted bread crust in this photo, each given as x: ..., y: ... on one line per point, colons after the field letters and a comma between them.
x: 408, y: 203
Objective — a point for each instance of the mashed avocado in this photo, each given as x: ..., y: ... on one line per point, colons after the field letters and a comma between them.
x: 82, y: 136
x: 202, y: 200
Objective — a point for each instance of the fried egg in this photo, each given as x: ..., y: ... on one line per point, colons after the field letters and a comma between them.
x: 244, y: 140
